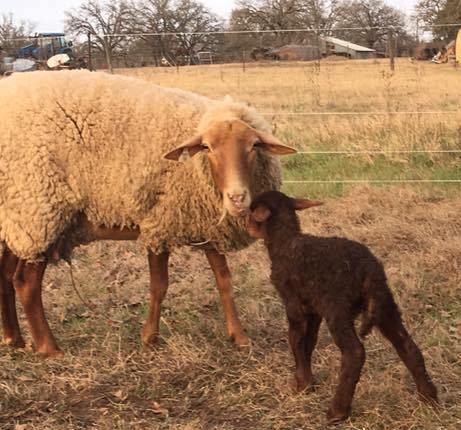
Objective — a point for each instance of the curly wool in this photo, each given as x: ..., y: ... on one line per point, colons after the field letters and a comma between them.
x: 80, y: 142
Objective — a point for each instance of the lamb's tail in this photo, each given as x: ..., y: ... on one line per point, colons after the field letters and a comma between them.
x: 371, y: 308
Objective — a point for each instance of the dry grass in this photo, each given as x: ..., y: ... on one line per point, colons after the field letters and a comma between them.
x: 202, y: 381
x: 337, y: 86
x: 196, y: 379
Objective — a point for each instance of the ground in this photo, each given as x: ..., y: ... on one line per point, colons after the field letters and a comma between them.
x: 196, y: 378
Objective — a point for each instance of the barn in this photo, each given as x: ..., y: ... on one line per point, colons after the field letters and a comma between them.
x: 335, y: 46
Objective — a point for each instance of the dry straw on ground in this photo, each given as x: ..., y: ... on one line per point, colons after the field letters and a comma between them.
x: 196, y: 379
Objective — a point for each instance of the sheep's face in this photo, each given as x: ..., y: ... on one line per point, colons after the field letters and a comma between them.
x: 231, y: 148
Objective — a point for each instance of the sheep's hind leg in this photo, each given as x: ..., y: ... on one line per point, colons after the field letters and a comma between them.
x: 11, y: 331
x: 352, y: 360
x: 392, y: 328
x: 27, y: 282
x: 158, y: 267
x: 222, y: 274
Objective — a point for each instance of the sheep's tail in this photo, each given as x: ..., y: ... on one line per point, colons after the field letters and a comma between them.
x: 371, y: 307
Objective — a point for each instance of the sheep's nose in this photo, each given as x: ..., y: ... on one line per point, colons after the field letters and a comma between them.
x: 237, y: 199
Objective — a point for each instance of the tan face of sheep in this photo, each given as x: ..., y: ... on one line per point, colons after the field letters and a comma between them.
x: 231, y: 148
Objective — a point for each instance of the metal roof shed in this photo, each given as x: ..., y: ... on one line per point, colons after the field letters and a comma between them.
x: 335, y: 46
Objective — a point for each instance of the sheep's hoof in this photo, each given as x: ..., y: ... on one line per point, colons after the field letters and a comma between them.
x: 336, y: 416
x: 14, y: 342
x: 299, y: 386
x: 240, y: 339
x: 51, y: 354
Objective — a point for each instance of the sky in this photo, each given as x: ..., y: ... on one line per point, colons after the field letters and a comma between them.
x: 48, y: 15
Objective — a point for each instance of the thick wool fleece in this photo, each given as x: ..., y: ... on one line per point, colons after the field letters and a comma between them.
x: 80, y: 142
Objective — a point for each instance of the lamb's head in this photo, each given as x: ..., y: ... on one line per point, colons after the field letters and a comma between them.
x: 231, y: 148
x: 274, y: 209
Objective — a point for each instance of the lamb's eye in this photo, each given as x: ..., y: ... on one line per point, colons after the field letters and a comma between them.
x: 205, y: 147
x: 257, y: 144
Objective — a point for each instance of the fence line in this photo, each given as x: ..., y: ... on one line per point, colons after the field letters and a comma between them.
x: 368, y: 113
x: 378, y: 152
x: 376, y: 181
x: 288, y: 30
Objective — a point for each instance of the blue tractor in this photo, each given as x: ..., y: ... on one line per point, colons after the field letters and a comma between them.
x: 46, y: 45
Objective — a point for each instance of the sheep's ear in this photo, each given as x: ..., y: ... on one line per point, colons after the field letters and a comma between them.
x: 261, y: 213
x: 186, y: 150
x: 301, y: 204
x: 271, y: 144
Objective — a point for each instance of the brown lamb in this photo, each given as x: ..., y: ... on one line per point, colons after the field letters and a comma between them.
x: 335, y: 279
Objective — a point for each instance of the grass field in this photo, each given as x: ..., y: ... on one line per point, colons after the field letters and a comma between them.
x: 196, y: 379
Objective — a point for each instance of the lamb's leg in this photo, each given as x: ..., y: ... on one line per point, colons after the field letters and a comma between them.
x: 11, y: 331
x: 313, y: 326
x: 27, y: 282
x: 392, y: 328
x: 222, y: 274
x: 352, y: 360
x: 158, y: 267
x: 297, y: 329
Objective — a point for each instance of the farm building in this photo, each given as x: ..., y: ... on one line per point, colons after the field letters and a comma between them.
x: 335, y: 46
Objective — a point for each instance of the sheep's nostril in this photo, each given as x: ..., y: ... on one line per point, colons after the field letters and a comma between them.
x: 237, y: 198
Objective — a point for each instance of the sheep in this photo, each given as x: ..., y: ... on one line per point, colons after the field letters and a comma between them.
x: 99, y: 161
x: 335, y: 279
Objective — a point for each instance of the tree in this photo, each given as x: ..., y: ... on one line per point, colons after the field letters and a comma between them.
x: 12, y: 33
x: 276, y: 15
x: 371, y: 20
x: 450, y: 13
x: 100, y: 19
x: 180, y: 16
x: 439, y: 12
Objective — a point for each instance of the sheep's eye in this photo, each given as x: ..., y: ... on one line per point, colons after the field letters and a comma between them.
x: 205, y: 147
x: 257, y: 144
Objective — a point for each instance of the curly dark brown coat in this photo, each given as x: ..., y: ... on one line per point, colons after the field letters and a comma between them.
x: 335, y: 279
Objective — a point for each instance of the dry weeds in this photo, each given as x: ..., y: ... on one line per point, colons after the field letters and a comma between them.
x: 196, y: 379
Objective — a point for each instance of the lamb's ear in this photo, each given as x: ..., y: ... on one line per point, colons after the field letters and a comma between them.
x: 301, y: 204
x: 271, y: 144
x: 188, y: 149
x: 261, y: 213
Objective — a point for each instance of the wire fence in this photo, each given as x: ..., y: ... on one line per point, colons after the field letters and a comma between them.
x: 256, y: 48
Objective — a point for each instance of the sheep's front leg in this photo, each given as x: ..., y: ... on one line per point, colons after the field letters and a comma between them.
x: 11, y: 331
x: 222, y: 274
x: 352, y: 360
x: 158, y: 267
x: 27, y: 282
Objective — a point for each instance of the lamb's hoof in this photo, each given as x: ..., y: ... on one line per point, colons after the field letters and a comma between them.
x: 336, y: 416
x: 14, y: 342
x: 240, y: 339
x: 429, y: 395
x: 149, y: 340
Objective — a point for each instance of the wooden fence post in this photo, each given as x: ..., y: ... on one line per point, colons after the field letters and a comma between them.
x: 108, y: 56
x: 90, y: 57
x: 391, y: 48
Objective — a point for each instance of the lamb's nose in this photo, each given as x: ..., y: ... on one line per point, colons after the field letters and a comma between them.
x: 237, y: 199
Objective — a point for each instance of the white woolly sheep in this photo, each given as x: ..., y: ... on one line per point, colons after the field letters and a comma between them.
x: 90, y: 166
